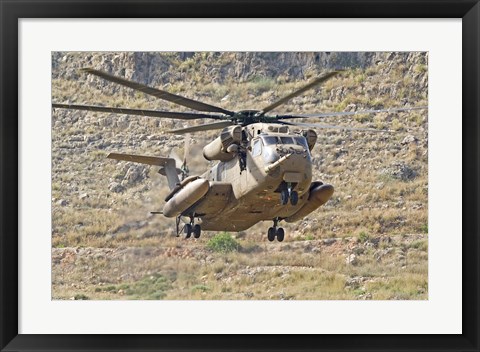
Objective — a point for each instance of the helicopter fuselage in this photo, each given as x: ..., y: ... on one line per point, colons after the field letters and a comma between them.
x: 247, y: 189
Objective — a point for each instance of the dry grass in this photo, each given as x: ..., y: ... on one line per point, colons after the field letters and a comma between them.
x: 292, y: 270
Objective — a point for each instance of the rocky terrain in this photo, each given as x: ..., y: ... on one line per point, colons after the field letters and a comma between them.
x: 370, y: 241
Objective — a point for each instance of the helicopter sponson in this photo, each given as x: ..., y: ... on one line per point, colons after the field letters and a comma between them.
x: 319, y: 194
x: 184, y: 196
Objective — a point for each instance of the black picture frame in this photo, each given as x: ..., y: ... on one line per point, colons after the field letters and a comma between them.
x: 11, y: 11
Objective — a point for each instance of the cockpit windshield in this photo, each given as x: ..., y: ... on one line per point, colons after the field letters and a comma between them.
x: 300, y: 140
x: 270, y: 140
x: 286, y: 140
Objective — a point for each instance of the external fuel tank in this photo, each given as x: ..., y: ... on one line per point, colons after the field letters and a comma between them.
x: 186, y: 197
x: 319, y: 195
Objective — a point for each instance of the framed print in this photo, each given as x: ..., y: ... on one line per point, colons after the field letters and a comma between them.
x: 358, y: 113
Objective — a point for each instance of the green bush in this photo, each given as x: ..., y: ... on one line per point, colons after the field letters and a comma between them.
x: 363, y: 237
x: 420, y: 244
x: 81, y: 297
x: 150, y: 287
x: 201, y: 288
x: 424, y: 228
x: 223, y: 242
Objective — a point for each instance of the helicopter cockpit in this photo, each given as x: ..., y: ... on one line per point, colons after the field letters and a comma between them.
x: 273, y: 147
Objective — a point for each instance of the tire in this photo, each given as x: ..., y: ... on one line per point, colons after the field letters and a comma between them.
x: 271, y: 234
x: 197, y: 230
x: 188, y: 230
x: 294, y: 198
x: 280, y: 234
x: 284, y: 197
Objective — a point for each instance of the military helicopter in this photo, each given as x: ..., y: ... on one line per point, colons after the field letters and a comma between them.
x: 264, y: 168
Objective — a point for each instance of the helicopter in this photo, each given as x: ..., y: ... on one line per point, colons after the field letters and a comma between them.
x: 263, y: 169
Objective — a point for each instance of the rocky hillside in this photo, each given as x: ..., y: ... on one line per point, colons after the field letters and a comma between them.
x: 380, y: 179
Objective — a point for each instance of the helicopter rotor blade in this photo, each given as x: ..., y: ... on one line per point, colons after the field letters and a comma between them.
x: 312, y: 84
x: 350, y: 113
x: 142, y: 112
x: 344, y: 128
x: 161, y: 94
x: 204, y: 127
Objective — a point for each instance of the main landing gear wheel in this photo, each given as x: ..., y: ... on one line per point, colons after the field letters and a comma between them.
x: 271, y: 234
x: 275, y: 231
x: 188, y: 230
x: 197, y: 230
x: 280, y: 234
x: 294, y: 198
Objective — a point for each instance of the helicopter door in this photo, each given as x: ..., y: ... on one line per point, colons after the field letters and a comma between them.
x: 255, y: 161
x: 220, y: 172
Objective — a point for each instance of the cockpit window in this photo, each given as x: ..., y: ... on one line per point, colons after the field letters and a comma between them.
x: 257, y: 147
x: 287, y: 140
x: 270, y: 140
x: 301, y: 141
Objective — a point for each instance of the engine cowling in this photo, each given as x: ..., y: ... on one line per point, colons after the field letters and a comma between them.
x: 311, y: 137
x: 218, y: 148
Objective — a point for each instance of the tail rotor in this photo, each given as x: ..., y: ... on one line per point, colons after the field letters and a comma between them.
x: 186, y: 151
x: 181, y: 164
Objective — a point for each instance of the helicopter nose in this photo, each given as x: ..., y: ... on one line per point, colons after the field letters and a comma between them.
x: 297, y: 170
x: 298, y: 161
x: 270, y: 156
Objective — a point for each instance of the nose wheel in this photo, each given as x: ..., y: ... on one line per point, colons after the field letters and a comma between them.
x: 294, y: 198
x: 287, y: 194
x: 275, y: 231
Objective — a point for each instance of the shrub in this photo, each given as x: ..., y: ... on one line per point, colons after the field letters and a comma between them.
x: 201, y: 288
x: 81, y: 297
x: 420, y: 244
x: 223, y: 242
x: 363, y: 237
x: 262, y: 84
x: 424, y: 228
x: 150, y: 287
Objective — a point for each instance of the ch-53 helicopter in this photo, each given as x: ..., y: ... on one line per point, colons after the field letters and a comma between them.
x: 264, y: 169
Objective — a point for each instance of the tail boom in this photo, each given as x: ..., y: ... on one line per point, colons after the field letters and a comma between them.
x: 168, y: 165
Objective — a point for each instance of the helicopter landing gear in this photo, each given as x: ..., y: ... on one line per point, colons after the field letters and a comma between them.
x: 280, y: 234
x: 190, y: 228
x: 273, y: 232
x: 294, y: 198
x: 197, y: 230
x: 288, y: 193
